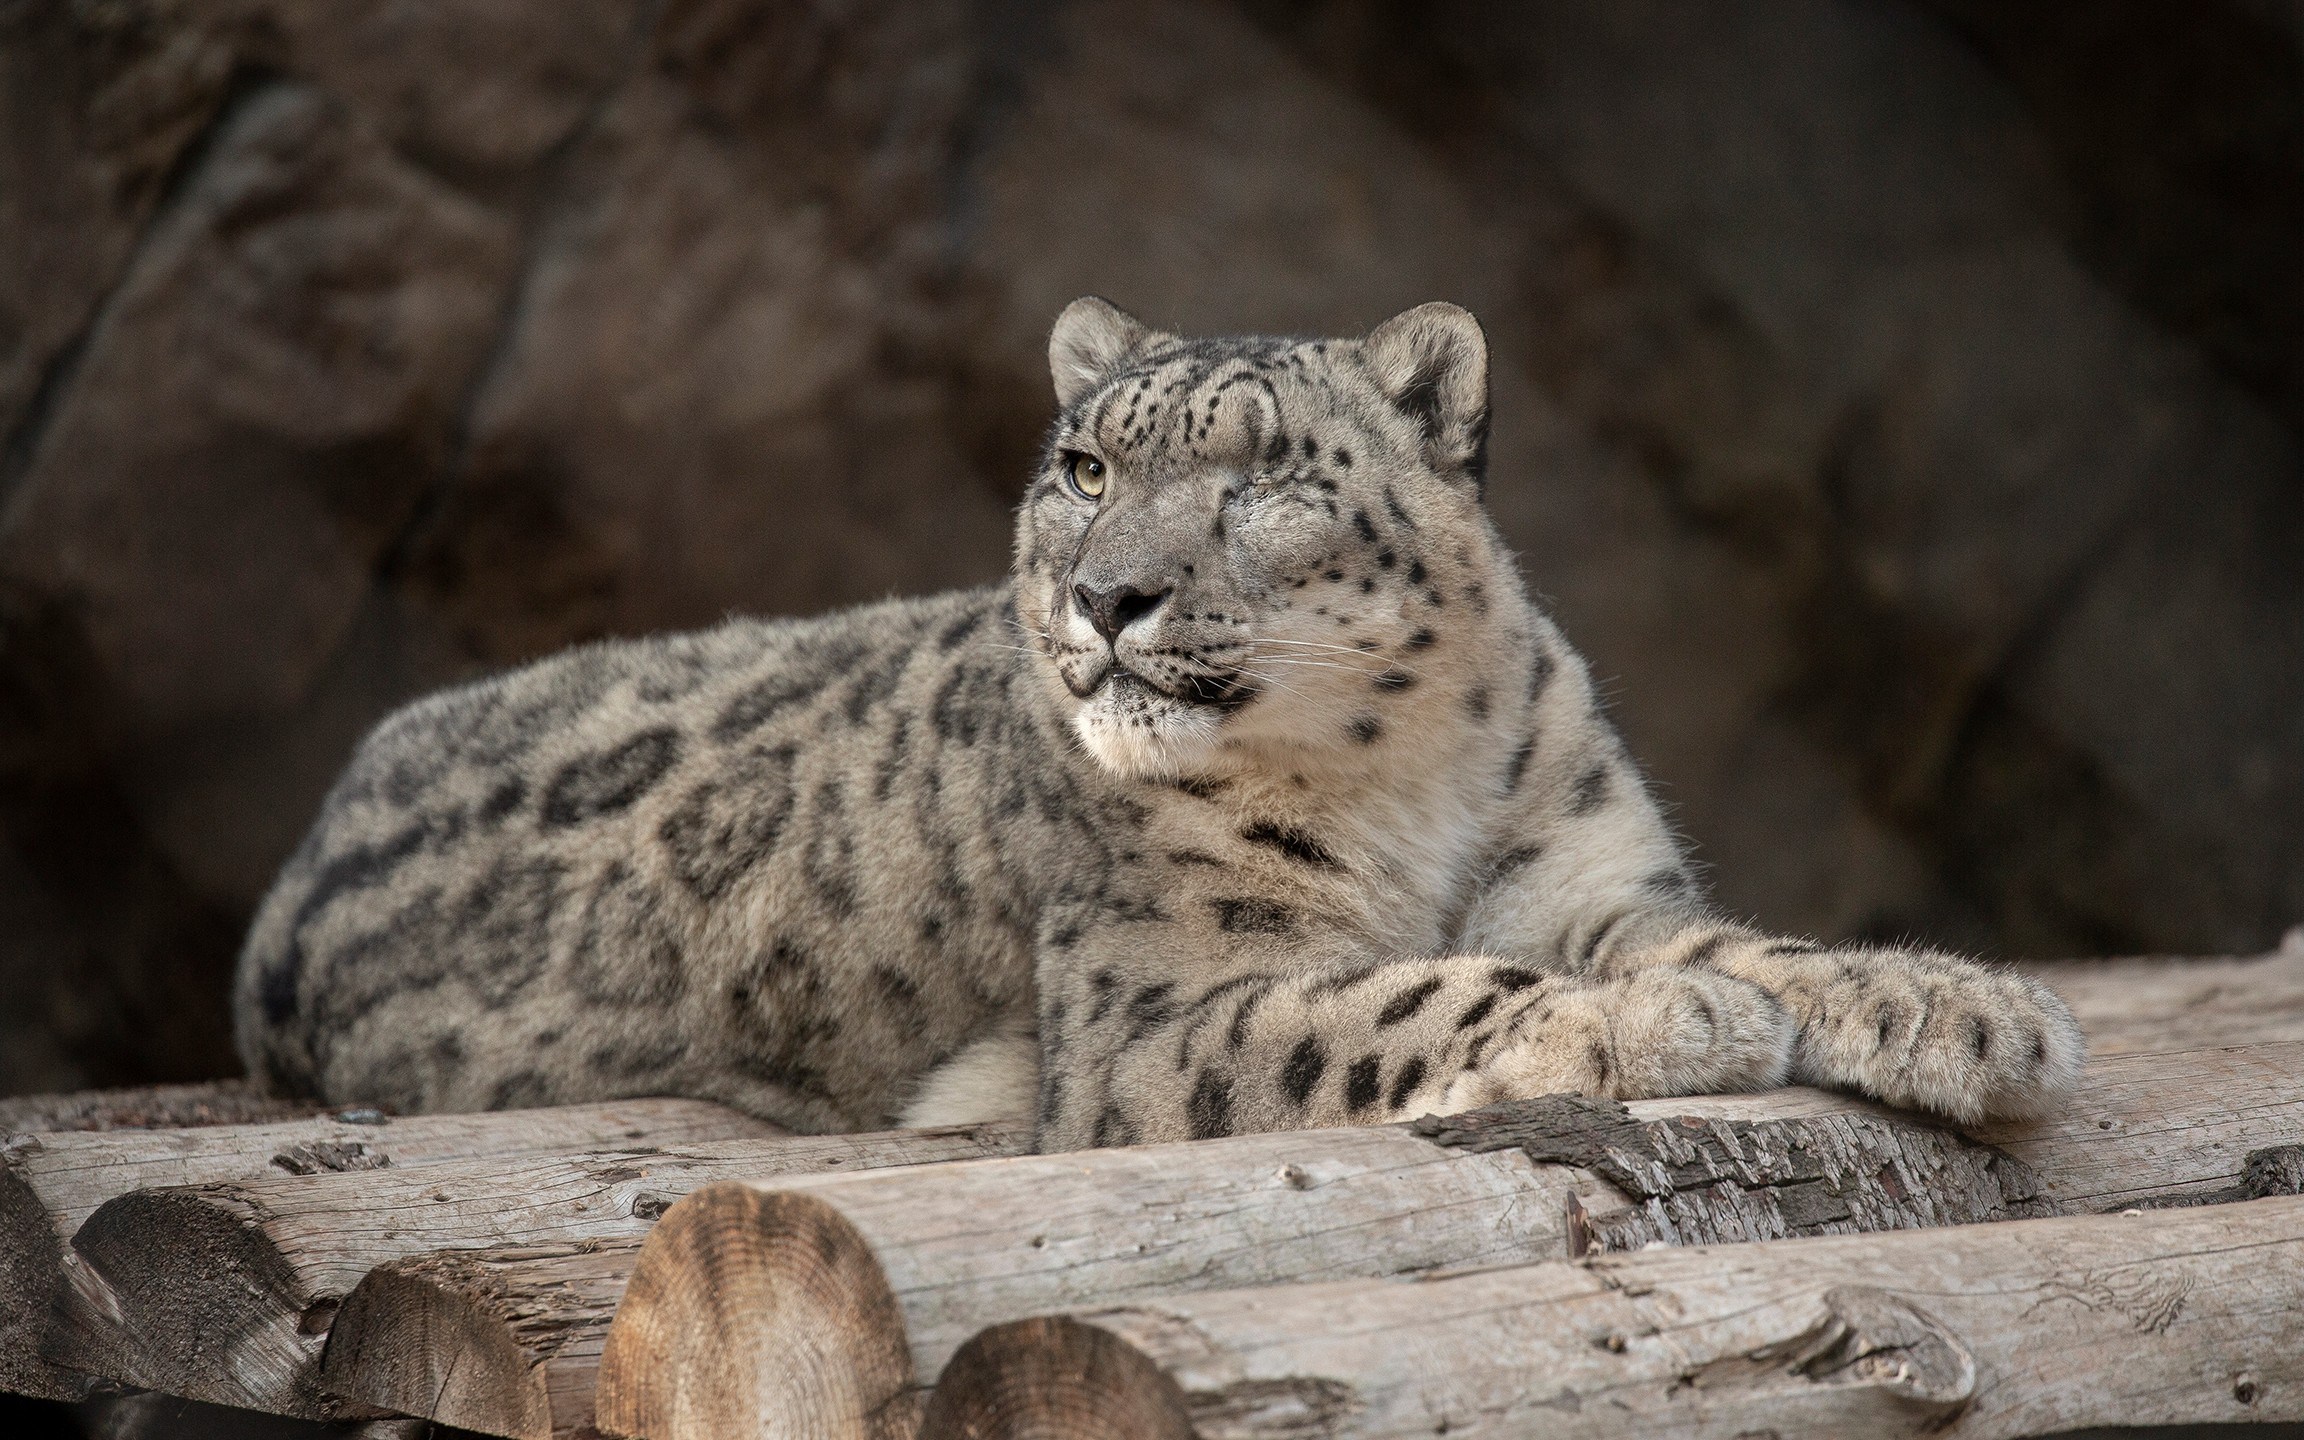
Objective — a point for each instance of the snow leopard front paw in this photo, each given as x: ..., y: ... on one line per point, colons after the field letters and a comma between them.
x: 1935, y: 1033
x: 1658, y: 1032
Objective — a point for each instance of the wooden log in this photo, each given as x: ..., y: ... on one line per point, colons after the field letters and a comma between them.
x: 226, y: 1292
x: 2161, y: 1129
x: 152, y: 1107
x: 2144, y: 1004
x: 503, y: 1342
x: 510, y: 1343
x: 51, y: 1183
x: 1986, y: 1332
x: 736, y: 1277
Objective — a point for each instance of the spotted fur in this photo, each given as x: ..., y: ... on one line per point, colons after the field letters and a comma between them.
x: 1260, y: 796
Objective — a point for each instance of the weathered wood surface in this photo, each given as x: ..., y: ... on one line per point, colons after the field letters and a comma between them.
x: 51, y: 1183
x: 1985, y: 1332
x: 2149, y: 1128
x: 226, y: 1292
x: 736, y: 1278
x: 152, y: 1107
x: 2145, y: 1004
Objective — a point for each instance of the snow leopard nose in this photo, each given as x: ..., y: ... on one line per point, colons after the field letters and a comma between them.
x: 1114, y: 610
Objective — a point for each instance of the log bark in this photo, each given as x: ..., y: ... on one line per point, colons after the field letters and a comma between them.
x: 2153, y: 1003
x: 1985, y: 1332
x: 51, y: 1183
x: 701, y: 1342
x: 226, y: 1292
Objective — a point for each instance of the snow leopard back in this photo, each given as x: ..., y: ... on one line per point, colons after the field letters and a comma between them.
x: 774, y: 864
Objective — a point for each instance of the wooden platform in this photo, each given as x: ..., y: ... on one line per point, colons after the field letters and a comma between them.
x: 202, y: 1260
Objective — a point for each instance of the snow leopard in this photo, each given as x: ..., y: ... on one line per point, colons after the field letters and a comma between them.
x: 1259, y: 796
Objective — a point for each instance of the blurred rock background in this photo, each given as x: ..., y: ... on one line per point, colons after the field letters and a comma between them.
x: 1899, y: 400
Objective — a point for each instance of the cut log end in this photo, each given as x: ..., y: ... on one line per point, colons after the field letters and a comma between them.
x: 1054, y: 1378
x: 175, y: 1292
x: 756, y: 1312
x: 421, y: 1338
x: 31, y: 1257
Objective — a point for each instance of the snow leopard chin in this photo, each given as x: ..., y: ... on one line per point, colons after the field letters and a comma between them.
x: 1139, y: 733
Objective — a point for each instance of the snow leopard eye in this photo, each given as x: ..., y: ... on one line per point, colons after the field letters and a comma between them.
x: 1087, y: 475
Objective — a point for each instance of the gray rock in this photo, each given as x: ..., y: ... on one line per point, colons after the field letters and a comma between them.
x: 257, y: 414
x: 710, y: 396
x: 101, y: 101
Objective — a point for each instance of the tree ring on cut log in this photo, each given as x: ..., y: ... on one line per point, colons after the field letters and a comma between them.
x: 446, y: 1346
x: 755, y: 1312
x: 1052, y: 1378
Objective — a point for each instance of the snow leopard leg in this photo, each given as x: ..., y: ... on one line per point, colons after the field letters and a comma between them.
x: 1279, y: 1046
x: 1904, y: 1024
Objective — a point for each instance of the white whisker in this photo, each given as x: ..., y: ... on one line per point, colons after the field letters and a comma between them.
x: 1274, y: 681
x: 1311, y: 645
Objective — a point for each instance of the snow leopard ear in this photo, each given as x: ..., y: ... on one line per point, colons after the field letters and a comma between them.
x: 1091, y: 337
x: 1432, y: 363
